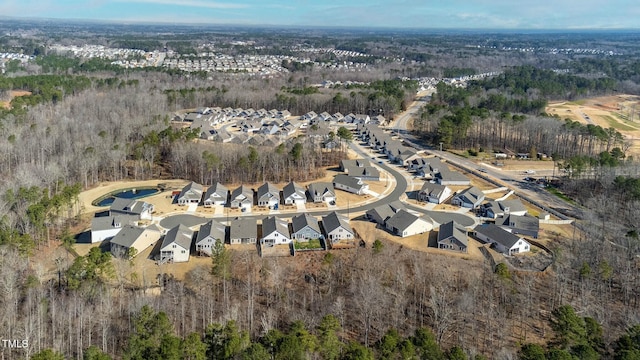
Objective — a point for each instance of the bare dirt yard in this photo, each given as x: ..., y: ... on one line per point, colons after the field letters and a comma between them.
x: 619, y: 112
x: 6, y: 103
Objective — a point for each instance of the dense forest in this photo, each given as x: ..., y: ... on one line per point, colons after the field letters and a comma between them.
x: 85, y: 122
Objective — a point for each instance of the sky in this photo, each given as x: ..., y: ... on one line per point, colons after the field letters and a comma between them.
x: 428, y: 14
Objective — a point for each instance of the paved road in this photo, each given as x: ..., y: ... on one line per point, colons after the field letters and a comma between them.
x: 512, y: 180
x: 400, y: 189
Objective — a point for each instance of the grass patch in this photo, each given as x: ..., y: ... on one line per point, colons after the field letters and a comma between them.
x: 310, y: 245
x: 559, y: 194
x: 617, y: 125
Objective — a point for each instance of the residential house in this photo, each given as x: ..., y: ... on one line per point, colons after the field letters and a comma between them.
x: 453, y: 178
x: 142, y: 210
x: 268, y: 195
x: 176, y: 246
x: 346, y: 165
x: 382, y: 213
x: 322, y: 192
x: 190, y: 194
x: 275, y: 231
x: 406, y: 157
x: 368, y: 173
x: 106, y: 227
x: 504, y: 241
x: 216, y: 194
x: 337, y: 228
x: 242, y: 197
x: 404, y: 223
x: 494, y: 209
x: 452, y: 237
x: 434, y: 193
x: 305, y: 227
x: 350, y: 184
x: 525, y: 225
x: 294, y: 194
x: 208, y: 236
x: 133, y: 240
x: 243, y: 231
x: 470, y: 198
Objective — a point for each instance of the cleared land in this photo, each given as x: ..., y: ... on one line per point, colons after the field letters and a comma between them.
x: 621, y: 112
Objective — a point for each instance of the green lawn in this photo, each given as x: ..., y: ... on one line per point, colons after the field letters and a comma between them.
x: 559, y: 194
x: 310, y: 245
x: 617, y: 124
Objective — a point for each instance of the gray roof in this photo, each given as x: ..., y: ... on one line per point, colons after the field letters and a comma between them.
x: 473, y: 194
x: 402, y: 220
x: 513, y: 205
x: 220, y: 190
x: 129, y: 234
x: 347, y: 180
x: 193, y: 191
x: 433, y: 189
x: 292, y: 188
x: 268, y: 190
x: 522, y: 222
x: 108, y: 222
x: 129, y: 206
x: 243, y: 228
x: 242, y: 190
x: 367, y: 171
x: 333, y: 221
x: 319, y: 188
x: 272, y: 223
x: 447, y: 175
x: 499, y: 235
x: 348, y: 164
x: 180, y: 234
x: 383, y: 212
x: 303, y: 220
x: 213, y: 229
x: 451, y: 230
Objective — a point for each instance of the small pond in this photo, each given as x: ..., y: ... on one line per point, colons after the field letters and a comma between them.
x: 126, y: 194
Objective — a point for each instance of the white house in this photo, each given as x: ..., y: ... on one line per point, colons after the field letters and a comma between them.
x: 216, y: 194
x: 106, y: 227
x: 133, y: 237
x: 176, y: 245
x: 268, y: 195
x: 434, y: 193
x: 275, y: 231
x: 190, y: 194
x: 470, y: 198
x: 404, y: 223
x: 337, y: 228
x: 208, y: 236
x: 322, y: 192
x: 350, y: 184
x: 294, y: 194
x: 504, y: 241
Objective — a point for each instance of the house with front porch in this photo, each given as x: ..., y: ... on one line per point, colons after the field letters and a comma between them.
x: 268, y: 195
x: 434, y: 193
x: 216, y: 194
x: 294, y: 194
x: 322, y: 192
x: 190, y: 194
x: 242, y: 197
x: 470, y: 198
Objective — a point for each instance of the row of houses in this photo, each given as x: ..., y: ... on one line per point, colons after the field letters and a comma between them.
x: 180, y: 242
x: 268, y: 195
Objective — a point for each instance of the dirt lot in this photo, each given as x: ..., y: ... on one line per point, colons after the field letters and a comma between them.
x: 619, y: 112
x: 13, y: 93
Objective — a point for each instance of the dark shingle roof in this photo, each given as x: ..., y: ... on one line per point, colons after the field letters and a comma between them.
x: 498, y: 234
x: 451, y: 230
x: 333, y: 221
x: 213, y: 229
x: 301, y: 221
x: 181, y: 235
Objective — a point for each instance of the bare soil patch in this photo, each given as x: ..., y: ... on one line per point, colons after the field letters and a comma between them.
x: 12, y: 94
